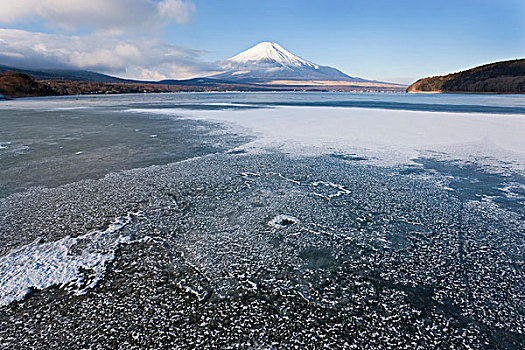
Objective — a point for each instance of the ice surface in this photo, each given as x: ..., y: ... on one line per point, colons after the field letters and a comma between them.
x: 389, y: 137
x: 269, y: 249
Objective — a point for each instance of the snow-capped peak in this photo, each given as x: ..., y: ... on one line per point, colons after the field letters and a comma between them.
x: 268, y: 52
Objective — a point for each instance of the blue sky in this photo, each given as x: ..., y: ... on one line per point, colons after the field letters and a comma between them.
x: 387, y: 40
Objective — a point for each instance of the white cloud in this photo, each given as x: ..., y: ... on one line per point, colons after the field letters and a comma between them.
x: 144, y: 58
x: 97, y: 14
x: 151, y: 75
x: 179, y: 10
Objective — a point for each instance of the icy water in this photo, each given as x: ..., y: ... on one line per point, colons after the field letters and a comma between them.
x: 275, y: 220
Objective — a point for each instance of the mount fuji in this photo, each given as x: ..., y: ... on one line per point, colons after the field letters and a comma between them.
x: 270, y: 63
x: 266, y: 66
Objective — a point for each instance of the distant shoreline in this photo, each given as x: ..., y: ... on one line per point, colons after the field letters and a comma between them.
x: 23, y: 83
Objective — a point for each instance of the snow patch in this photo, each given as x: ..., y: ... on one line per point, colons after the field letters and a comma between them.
x: 40, y: 265
x: 282, y: 221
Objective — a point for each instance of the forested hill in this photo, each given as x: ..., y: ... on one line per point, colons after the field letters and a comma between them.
x: 500, y: 77
x: 14, y: 84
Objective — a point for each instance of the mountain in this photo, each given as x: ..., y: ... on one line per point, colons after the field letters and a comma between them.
x: 499, y: 77
x: 269, y: 62
x: 66, y: 74
x: 265, y: 67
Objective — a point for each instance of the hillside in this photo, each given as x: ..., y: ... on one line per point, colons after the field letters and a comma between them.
x: 13, y: 84
x: 66, y: 74
x: 500, y: 77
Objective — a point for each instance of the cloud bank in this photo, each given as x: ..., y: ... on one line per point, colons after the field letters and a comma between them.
x: 144, y: 58
x: 97, y: 14
x: 118, y: 37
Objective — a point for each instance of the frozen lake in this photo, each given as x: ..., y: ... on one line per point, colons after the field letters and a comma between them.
x: 262, y: 220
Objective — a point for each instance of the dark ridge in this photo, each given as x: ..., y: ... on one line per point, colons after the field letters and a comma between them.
x: 14, y: 84
x: 66, y: 74
x: 502, y: 77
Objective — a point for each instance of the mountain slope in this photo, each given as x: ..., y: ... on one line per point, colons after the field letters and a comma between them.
x: 499, y: 77
x: 66, y: 74
x: 267, y: 62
